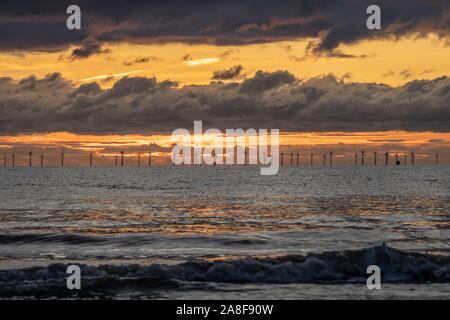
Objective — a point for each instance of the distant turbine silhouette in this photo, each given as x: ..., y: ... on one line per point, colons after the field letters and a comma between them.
x: 387, y: 158
x: 356, y: 159
x: 116, y: 160
x: 281, y: 155
x: 298, y: 158
x: 437, y: 158
x: 375, y: 158
x: 139, y: 159
x: 30, y: 154
x: 312, y: 159
x: 413, y: 159
x: 331, y: 158
x: 42, y: 160
x: 90, y: 159
x: 121, y: 158
x: 291, y: 158
x: 324, y: 159
x: 62, y: 158
x: 363, y: 152
x: 13, y: 160
x: 406, y: 159
x: 4, y: 161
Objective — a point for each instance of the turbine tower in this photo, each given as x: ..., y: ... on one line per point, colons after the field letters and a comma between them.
x: 387, y: 158
x: 62, y: 158
x: 325, y: 159
x: 363, y: 152
x: 4, y: 161
x: 356, y: 159
x: 331, y: 158
x: 312, y: 159
x: 90, y: 159
x: 42, y: 160
x: 121, y: 158
x: 13, y: 159
x: 437, y: 158
x: 292, y: 154
x: 30, y: 154
x: 375, y: 158
x: 298, y: 158
x: 281, y: 155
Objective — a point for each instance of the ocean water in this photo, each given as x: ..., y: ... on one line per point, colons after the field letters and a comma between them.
x: 225, y: 232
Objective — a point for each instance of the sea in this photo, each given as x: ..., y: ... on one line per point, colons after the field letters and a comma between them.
x: 225, y: 232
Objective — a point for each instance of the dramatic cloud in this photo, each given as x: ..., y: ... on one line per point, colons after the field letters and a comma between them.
x: 31, y: 25
x: 88, y: 49
x: 268, y: 100
x: 228, y: 74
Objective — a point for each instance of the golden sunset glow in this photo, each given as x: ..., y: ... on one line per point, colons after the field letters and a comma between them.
x: 384, y: 61
x: 106, y: 147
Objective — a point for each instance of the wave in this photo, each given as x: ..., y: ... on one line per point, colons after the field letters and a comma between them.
x: 338, y: 267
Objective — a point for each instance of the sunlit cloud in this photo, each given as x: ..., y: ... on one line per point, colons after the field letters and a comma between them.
x: 107, y: 76
x: 199, y: 62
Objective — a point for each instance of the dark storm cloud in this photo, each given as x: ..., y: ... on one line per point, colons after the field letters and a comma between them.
x: 267, y: 100
x: 228, y: 74
x: 87, y: 49
x: 31, y: 25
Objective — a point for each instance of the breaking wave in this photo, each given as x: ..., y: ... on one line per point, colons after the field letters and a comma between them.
x: 325, y: 268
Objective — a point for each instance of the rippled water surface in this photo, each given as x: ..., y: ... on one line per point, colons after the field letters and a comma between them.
x: 168, y: 216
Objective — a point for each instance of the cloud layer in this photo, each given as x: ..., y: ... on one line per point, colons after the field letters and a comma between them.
x: 31, y: 25
x: 268, y: 100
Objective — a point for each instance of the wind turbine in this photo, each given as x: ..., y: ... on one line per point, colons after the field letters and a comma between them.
x: 356, y: 159
x: 121, y: 158
x: 13, y: 159
x: 298, y: 158
x: 292, y: 154
x: 325, y: 159
x: 312, y: 159
x: 42, y: 160
x: 437, y: 158
x: 90, y: 159
x: 62, y: 158
x: 331, y: 158
x: 281, y: 154
x: 362, y: 156
x: 375, y: 158
x: 4, y: 161
x: 387, y: 158
x: 30, y: 154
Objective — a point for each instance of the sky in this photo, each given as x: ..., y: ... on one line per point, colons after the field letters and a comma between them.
x: 137, y: 70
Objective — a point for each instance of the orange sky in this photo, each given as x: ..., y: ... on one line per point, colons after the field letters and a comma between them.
x: 77, y: 147
x: 387, y: 61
